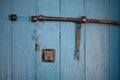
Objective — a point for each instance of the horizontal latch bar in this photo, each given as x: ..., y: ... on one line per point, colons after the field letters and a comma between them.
x: 79, y: 20
x: 46, y: 18
x: 83, y: 19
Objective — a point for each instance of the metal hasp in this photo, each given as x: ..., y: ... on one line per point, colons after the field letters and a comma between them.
x: 79, y: 21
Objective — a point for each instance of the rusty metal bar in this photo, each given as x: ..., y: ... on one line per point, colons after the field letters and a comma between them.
x: 43, y: 18
x: 103, y: 21
x: 79, y: 20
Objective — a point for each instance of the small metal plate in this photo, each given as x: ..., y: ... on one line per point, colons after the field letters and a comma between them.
x: 48, y: 55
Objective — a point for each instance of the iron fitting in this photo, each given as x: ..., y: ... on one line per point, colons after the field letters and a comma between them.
x: 84, y: 20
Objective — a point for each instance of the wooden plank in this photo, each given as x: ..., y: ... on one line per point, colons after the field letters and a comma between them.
x: 71, y: 69
x: 49, y: 38
x: 114, y: 41
x: 97, y: 41
x: 5, y: 40
x: 23, y: 46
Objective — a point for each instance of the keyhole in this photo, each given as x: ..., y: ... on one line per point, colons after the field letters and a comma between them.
x: 49, y: 57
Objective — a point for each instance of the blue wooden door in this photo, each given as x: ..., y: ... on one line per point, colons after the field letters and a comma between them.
x: 99, y: 48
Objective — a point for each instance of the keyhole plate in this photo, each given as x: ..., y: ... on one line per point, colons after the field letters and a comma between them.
x: 48, y: 55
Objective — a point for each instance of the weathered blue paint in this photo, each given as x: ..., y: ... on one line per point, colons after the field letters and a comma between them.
x: 114, y: 41
x: 23, y: 44
x: 97, y: 41
x: 99, y: 48
x: 49, y: 38
x: 102, y: 41
x: 71, y: 69
x: 5, y: 40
